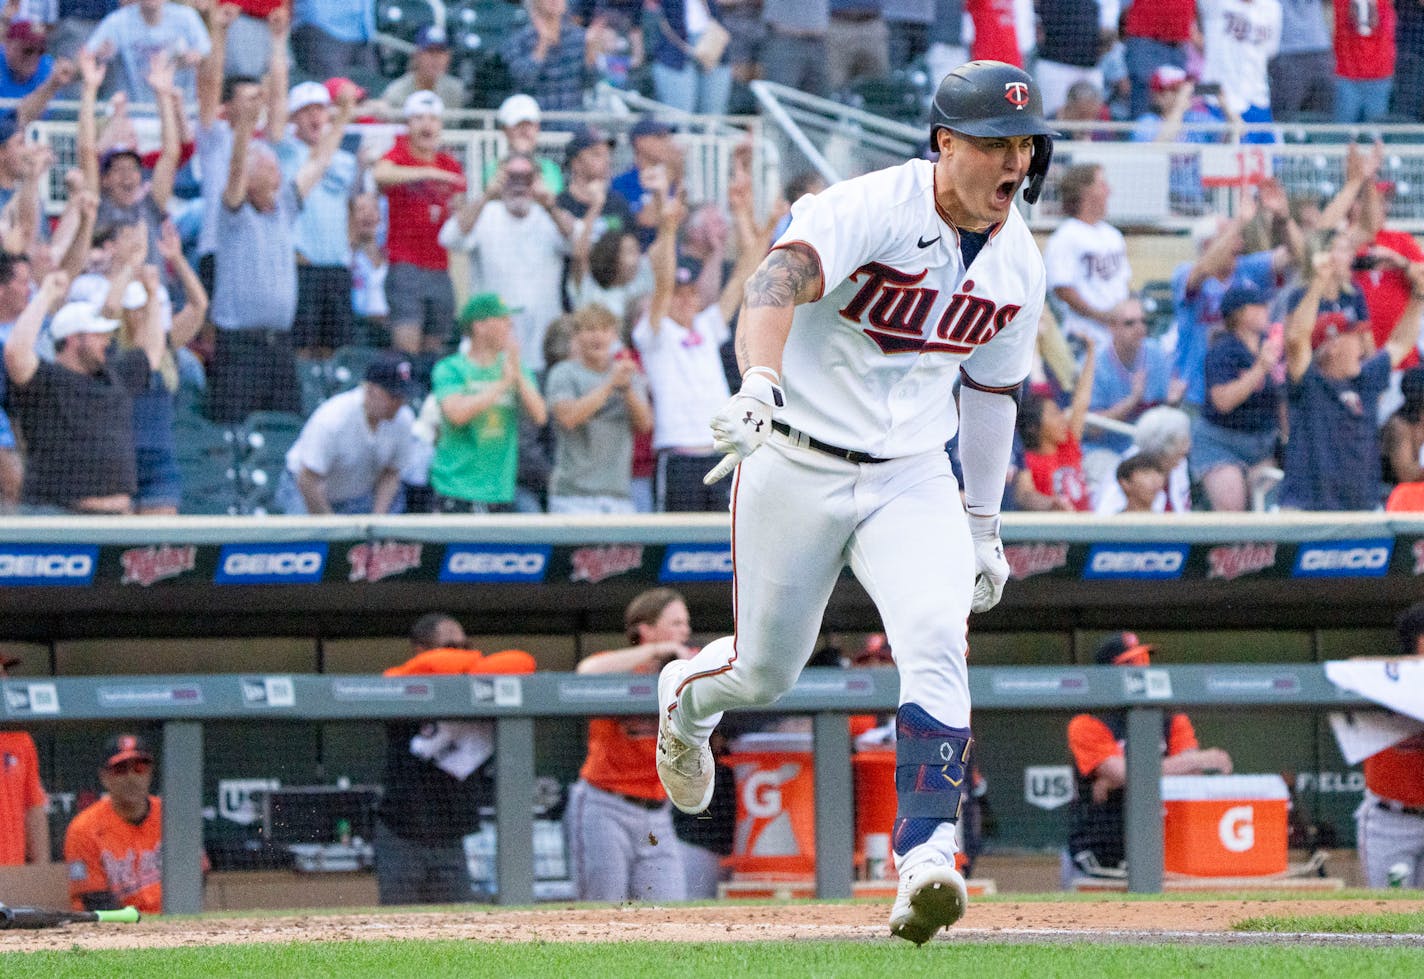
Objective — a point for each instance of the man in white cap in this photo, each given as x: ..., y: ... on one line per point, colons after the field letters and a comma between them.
x: 76, y: 412
x: 519, y: 117
x: 429, y: 72
x: 324, y: 315
x: 419, y: 181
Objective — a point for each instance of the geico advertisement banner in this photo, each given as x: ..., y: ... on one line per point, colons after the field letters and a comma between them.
x: 374, y: 562
x: 47, y: 564
x: 513, y: 563
x: 271, y: 564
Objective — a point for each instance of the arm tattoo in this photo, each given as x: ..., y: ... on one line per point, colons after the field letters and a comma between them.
x: 744, y: 356
x: 786, y: 277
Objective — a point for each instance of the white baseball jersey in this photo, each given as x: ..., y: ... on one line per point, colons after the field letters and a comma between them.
x: 1240, y: 36
x: 1092, y: 258
x: 871, y: 365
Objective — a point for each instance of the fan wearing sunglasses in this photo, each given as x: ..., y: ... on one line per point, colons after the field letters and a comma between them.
x: 1095, y: 837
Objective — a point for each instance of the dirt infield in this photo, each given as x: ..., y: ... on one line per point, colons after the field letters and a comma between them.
x: 1099, y: 920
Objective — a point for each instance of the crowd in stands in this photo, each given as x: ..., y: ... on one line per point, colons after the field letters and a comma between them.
x: 550, y: 331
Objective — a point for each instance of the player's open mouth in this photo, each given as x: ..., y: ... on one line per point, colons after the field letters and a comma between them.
x: 1004, y: 193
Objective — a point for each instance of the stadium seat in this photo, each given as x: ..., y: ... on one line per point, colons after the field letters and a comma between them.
x: 478, y: 28
x: 315, y: 379
x: 895, y: 96
x: 1159, y: 306
x: 206, y: 463
x: 401, y: 19
x: 263, y: 442
x: 347, y: 367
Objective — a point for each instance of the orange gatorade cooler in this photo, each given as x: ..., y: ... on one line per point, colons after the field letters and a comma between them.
x: 874, y: 810
x: 1225, y: 825
x: 776, y: 805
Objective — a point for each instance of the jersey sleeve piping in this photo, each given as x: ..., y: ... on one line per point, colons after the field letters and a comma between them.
x: 1008, y: 389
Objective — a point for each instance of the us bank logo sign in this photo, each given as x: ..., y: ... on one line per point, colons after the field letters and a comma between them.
x: 1048, y: 786
x: 46, y: 565
x: 271, y: 564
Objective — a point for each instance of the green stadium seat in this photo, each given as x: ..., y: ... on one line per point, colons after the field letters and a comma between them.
x: 478, y: 29
x: 263, y: 441
x: 1159, y: 306
x: 894, y: 96
x: 347, y: 367
x: 401, y: 19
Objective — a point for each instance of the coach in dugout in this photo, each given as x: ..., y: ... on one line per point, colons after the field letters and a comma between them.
x: 439, y: 774
x: 1097, y: 742
x: 114, y: 847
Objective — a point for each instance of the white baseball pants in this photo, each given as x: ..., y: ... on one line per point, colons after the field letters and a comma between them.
x: 798, y: 516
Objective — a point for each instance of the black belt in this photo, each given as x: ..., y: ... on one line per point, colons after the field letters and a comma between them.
x: 849, y: 455
x: 1389, y: 805
x: 650, y: 804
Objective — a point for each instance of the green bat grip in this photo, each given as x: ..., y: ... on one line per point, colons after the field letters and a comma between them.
x: 123, y: 916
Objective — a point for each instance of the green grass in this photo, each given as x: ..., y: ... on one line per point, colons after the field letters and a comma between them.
x: 461, y: 960
x: 1354, y: 924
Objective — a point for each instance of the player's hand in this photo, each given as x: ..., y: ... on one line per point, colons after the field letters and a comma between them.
x: 991, y: 569
x: 744, y: 422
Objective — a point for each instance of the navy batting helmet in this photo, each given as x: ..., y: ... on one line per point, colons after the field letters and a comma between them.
x: 994, y: 99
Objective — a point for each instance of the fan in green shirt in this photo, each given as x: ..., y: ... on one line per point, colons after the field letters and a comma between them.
x: 480, y: 393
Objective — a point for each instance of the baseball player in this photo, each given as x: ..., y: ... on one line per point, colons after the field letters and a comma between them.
x: 1390, y: 820
x: 882, y: 293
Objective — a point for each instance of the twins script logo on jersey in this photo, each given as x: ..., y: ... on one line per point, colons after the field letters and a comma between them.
x: 1016, y: 94
x: 898, y: 308
x: 1242, y: 29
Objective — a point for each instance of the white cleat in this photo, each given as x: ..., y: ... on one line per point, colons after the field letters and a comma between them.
x: 931, y: 896
x: 686, y: 770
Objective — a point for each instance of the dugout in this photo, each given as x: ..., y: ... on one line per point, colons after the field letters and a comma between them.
x: 135, y: 597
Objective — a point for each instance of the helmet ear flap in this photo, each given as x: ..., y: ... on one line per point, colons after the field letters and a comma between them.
x: 1038, y: 168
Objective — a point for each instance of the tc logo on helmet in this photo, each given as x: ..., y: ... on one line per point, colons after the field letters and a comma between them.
x: 1016, y: 94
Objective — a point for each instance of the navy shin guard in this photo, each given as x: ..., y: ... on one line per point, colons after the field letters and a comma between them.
x: 931, y: 770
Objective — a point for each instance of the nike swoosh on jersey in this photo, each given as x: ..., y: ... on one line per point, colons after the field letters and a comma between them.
x: 925, y: 244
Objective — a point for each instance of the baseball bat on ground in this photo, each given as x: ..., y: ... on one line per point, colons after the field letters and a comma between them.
x: 47, y: 918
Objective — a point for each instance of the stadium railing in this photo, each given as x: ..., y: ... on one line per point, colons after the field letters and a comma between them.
x: 827, y: 695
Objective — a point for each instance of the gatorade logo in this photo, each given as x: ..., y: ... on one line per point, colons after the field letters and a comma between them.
x: 1237, y: 828
x: 761, y: 793
x: 494, y: 562
x: 1150, y: 561
x: 697, y: 562
x: 40, y: 565
x: 271, y: 564
x: 1345, y: 559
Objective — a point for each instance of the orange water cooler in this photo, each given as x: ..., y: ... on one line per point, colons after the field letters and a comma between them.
x: 776, y: 805
x: 1225, y: 825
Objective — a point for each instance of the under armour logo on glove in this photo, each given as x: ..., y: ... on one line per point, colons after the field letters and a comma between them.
x: 741, y: 426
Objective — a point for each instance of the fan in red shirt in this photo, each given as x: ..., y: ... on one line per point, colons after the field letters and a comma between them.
x: 1364, y: 59
x: 995, y: 37
x: 419, y: 181
x: 1052, y: 477
x: 1384, y: 284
